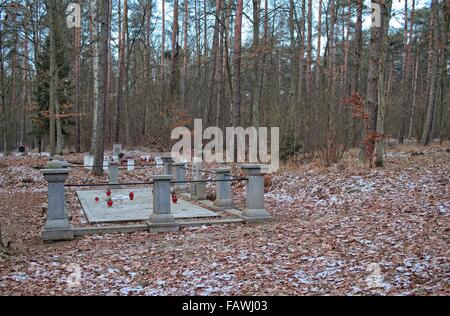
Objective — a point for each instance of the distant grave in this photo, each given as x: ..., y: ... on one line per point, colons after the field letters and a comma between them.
x: 117, y: 149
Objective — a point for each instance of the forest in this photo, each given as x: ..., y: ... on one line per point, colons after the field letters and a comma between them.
x: 357, y: 205
x: 130, y: 71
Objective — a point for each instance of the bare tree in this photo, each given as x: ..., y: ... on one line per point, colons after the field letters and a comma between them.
x: 174, y: 84
x: 237, y: 65
x: 103, y: 87
x: 51, y: 9
x: 376, y: 44
x: 432, y: 78
x: 95, y: 72
x: 444, y: 70
x: 121, y: 89
x: 77, y: 70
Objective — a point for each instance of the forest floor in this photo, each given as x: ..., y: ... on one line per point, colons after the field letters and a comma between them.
x: 341, y: 230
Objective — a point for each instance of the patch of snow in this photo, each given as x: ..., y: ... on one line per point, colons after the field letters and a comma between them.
x: 280, y: 197
x: 442, y: 208
x: 19, y: 276
x: 302, y: 277
x: 130, y: 290
x: 375, y: 280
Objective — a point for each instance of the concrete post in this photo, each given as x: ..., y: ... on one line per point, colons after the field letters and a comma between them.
x: 223, y: 189
x: 162, y: 219
x: 198, y: 189
x: 64, y: 163
x: 88, y: 162
x: 117, y: 149
x: 255, y: 210
x: 113, y: 172
x: 180, y: 175
x: 168, y: 161
x: 130, y: 164
x: 57, y: 226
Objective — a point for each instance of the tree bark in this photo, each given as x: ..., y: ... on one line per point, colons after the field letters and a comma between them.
x: 51, y: 9
x: 185, y: 55
x: 257, y: 64
x: 309, y: 60
x: 381, y: 113
x: 95, y: 71
x: 319, y: 48
x: 432, y: 79
x: 77, y: 69
x: 3, y: 109
x: 237, y: 66
x: 376, y: 44
x: 123, y: 22
x: 357, y: 48
x: 103, y: 87
x: 174, y: 86
x: 444, y: 71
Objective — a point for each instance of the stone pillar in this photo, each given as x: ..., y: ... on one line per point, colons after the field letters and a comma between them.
x: 130, y: 164
x: 180, y: 175
x: 88, y: 162
x: 64, y: 163
x: 57, y: 226
x: 198, y: 189
x: 113, y: 172
x: 223, y: 189
x: 168, y: 161
x: 117, y: 149
x: 162, y: 218
x: 255, y: 209
x: 105, y: 163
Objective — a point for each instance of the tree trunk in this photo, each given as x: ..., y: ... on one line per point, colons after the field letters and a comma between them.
x: 51, y: 9
x: 357, y: 48
x: 347, y: 47
x: 148, y: 74
x: 3, y: 109
x: 163, y: 48
x: 432, y: 79
x: 174, y: 80
x: 413, y: 104
x: 301, y: 62
x: 319, y: 47
x: 381, y: 113
x: 294, y: 55
x: 185, y: 55
x: 212, y: 94
x: 77, y: 69
x: 103, y: 88
x: 95, y: 71
x: 257, y: 64
x: 405, y: 72
x: 219, y: 66
x: 309, y: 60
x: 376, y: 44
x: 237, y: 66
x: 123, y: 22
x: 444, y: 71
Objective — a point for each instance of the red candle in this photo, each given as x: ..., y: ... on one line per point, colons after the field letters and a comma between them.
x: 131, y: 196
x: 174, y: 198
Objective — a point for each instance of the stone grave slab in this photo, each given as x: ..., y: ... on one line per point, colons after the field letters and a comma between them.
x: 124, y: 210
